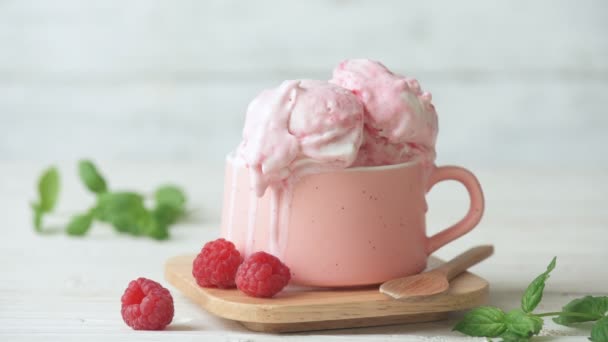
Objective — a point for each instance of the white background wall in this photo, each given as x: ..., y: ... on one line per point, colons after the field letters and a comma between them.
x: 515, y: 82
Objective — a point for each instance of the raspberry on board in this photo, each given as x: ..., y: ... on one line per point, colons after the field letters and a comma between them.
x: 262, y: 275
x: 216, y: 264
x: 146, y: 305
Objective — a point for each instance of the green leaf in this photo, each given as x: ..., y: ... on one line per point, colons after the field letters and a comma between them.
x: 111, y: 205
x: 170, y: 195
x: 522, y: 323
x: 150, y: 227
x: 485, y: 321
x: 123, y: 210
x: 147, y: 225
x: 89, y: 175
x: 170, y: 204
x: 599, y: 331
x: 597, y: 306
x: 158, y: 231
x: 48, y: 189
x: 127, y: 213
x: 509, y: 336
x: 534, y: 292
x: 80, y: 224
x: 37, y: 216
x: 167, y: 215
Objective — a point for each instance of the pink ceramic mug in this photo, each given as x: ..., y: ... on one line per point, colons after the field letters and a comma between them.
x: 356, y: 226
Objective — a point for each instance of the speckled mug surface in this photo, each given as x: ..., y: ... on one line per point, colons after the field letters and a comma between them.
x: 356, y: 226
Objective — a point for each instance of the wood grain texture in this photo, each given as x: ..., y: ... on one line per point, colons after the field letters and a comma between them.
x: 53, y: 287
x: 345, y: 323
x: 308, y: 306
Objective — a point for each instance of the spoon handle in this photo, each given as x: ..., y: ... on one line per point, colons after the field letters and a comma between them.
x: 465, y: 260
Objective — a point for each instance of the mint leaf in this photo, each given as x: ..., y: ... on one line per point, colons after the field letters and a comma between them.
x: 158, y: 231
x: 167, y: 215
x: 48, y: 189
x: 80, y: 224
x: 146, y: 224
x: 509, y: 336
x: 123, y: 210
x: 485, y: 321
x: 114, y: 204
x: 170, y: 195
x: 170, y: 204
x: 597, y: 306
x: 127, y: 213
x: 522, y: 323
x: 599, y: 331
x: 89, y: 175
x: 534, y: 292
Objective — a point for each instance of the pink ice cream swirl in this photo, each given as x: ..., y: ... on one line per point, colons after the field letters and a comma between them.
x: 298, y: 128
x: 400, y: 120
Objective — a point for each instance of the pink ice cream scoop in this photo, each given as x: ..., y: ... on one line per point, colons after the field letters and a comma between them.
x: 300, y: 127
x: 377, y: 150
x: 400, y: 120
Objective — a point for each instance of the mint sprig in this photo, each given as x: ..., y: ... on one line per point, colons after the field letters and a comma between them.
x: 125, y: 211
x: 521, y: 324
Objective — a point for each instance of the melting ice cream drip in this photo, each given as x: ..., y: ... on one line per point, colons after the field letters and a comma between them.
x: 232, y: 200
x: 275, y: 199
x: 252, y: 217
x: 295, y: 129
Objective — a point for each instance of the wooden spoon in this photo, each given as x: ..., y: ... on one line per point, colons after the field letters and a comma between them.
x: 435, y: 281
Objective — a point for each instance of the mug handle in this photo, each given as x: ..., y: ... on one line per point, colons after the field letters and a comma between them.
x: 476, y: 205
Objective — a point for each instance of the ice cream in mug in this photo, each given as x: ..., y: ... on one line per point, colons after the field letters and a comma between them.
x: 365, y: 119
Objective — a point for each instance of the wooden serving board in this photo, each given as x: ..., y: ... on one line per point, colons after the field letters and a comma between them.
x: 305, y: 309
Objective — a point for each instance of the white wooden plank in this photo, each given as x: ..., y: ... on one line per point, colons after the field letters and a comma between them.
x: 498, y: 123
x: 71, y: 40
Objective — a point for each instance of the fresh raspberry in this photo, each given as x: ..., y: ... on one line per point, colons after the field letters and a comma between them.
x: 146, y: 305
x: 216, y: 264
x: 262, y: 275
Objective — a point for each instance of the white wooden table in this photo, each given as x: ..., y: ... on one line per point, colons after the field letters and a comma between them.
x: 53, y: 287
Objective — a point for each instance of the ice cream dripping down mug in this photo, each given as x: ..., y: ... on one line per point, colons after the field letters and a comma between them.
x: 356, y: 226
